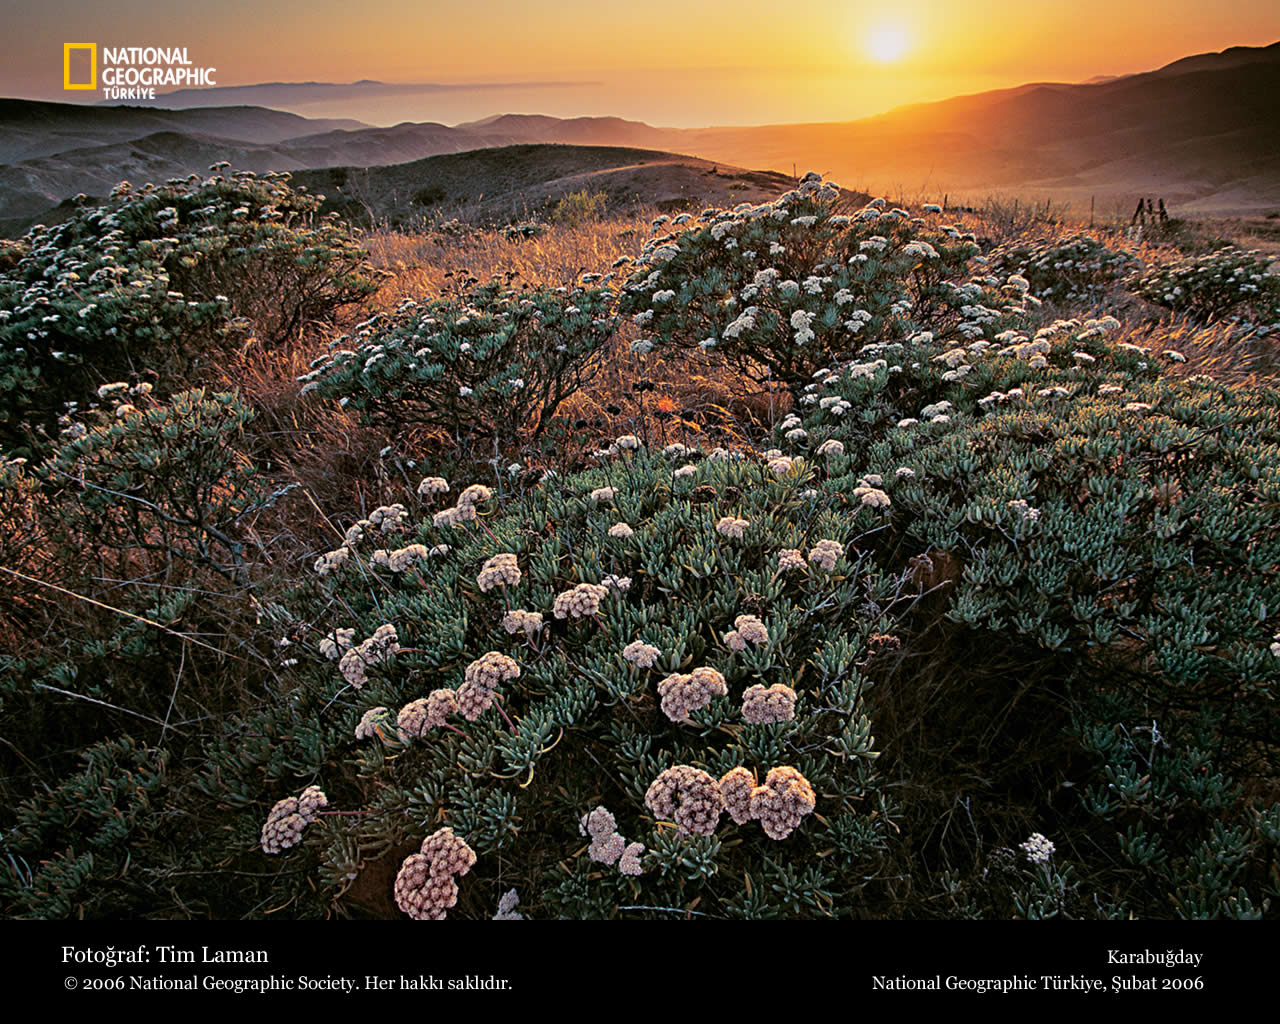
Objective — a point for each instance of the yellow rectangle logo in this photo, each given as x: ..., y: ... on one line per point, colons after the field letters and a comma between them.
x: 93, y: 65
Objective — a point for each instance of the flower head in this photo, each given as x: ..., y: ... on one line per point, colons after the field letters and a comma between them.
x: 500, y: 570
x: 736, y: 788
x: 689, y: 797
x: 782, y: 802
x: 641, y: 654
x: 762, y: 706
x: 683, y: 694
x: 731, y: 527
x: 1037, y: 848
x: 826, y: 553
x: 579, y: 602
x: 425, y: 887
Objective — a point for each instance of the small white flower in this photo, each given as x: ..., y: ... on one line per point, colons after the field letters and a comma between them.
x: 1037, y: 848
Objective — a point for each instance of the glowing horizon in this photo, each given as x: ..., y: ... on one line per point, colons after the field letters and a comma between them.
x: 672, y: 63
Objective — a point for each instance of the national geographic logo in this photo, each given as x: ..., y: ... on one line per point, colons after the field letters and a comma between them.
x: 67, y: 49
x: 131, y: 72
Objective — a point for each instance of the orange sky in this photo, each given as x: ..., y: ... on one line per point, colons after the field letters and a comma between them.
x: 680, y: 62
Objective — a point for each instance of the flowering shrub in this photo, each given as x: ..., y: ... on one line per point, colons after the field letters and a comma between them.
x: 792, y: 285
x: 1089, y: 518
x: 1228, y: 283
x: 1078, y: 268
x: 587, y: 683
x: 156, y: 476
x: 491, y: 364
x: 168, y: 279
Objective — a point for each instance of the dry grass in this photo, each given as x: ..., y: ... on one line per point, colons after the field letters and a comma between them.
x: 429, y: 264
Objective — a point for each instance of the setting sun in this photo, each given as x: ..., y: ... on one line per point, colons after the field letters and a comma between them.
x: 887, y: 42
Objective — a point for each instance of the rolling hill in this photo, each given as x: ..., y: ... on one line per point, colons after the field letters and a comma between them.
x: 507, y: 183
x: 1202, y: 133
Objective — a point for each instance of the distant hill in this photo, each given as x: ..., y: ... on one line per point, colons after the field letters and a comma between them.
x: 501, y: 184
x: 1202, y: 132
x: 30, y: 128
x: 581, y: 131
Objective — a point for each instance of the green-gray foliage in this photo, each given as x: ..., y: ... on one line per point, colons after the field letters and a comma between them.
x: 490, y: 363
x: 167, y: 279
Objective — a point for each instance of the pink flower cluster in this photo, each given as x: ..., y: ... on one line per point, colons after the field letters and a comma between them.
x: 694, y: 800
x: 425, y: 887
x: 683, y: 694
x: 608, y: 845
x: 287, y: 819
x: 418, y: 716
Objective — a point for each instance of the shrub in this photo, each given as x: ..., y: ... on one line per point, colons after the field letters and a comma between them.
x: 1078, y: 268
x: 1230, y: 282
x: 167, y: 477
x: 430, y: 196
x: 571, y: 718
x: 791, y: 285
x: 124, y: 584
x: 69, y: 852
x: 525, y: 229
x: 169, y: 279
x: 488, y: 364
x: 579, y: 208
x: 1113, y: 533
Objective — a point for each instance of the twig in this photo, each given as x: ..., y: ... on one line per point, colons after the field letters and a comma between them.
x: 120, y: 611
x: 94, y: 700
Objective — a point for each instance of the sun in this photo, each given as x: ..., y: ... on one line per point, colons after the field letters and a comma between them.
x: 887, y: 42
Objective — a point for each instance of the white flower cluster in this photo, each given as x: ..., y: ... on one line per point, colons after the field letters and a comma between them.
x: 801, y: 324
x: 332, y: 561
x: 373, y: 651
x: 519, y: 619
x: 684, y: 693
x: 765, y: 706
x: 746, y: 629
x: 336, y: 643
x: 390, y: 518
x: 425, y: 888
x: 465, y: 510
x: 372, y: 722
x: 579, y: 602
x: 482, y: 679
x: 790, y: 558
x: 1027, y: 512
x: 619, y: 583
x: 1037, y: 848
x: 641, y: 654
x: 400, y: 559
x: 499, y: 571
x: 826, y: 553
x: 416, y: 717
x: 732, y: 528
